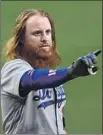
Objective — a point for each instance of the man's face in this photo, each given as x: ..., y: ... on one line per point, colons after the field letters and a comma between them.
x: 38, y: 36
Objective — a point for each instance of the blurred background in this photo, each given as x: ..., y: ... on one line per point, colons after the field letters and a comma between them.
x: 78, y: 32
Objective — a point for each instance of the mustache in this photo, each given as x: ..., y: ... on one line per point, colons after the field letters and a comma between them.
x: 44, y: 44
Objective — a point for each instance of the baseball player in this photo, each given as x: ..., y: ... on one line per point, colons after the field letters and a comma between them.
x: 32, y: 93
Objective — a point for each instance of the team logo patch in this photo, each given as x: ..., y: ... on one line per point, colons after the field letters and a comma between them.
x: 52, y: 72
x: 45, y: 95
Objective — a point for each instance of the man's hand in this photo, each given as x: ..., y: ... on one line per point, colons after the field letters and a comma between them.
x: 84, y: 65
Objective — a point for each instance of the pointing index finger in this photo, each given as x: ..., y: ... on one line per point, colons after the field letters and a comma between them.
x: 97, y: 52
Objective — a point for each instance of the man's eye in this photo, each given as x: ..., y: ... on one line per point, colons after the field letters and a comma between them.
x: 37, y: 33
x: 48, y: 31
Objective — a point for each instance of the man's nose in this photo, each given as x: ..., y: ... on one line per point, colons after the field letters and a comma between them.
x: 44, y: 38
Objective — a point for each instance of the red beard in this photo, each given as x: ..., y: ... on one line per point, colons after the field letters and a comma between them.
x: 39, y: 58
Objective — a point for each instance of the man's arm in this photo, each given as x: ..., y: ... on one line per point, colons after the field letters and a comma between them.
x: 45, y: 78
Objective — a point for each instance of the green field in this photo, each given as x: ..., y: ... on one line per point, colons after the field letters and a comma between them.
x: 78, y: 32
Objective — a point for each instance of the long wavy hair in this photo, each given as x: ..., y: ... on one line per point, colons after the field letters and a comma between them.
x: 13, y: 46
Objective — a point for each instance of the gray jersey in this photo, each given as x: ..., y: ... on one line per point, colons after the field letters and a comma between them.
x: 37, y: 113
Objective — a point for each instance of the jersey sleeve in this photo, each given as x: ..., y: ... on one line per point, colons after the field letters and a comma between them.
x: 11, y: 74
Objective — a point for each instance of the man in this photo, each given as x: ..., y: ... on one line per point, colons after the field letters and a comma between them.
x: 32, y: 93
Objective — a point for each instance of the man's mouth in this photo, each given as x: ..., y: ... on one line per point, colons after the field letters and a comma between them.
x: 44, y: 46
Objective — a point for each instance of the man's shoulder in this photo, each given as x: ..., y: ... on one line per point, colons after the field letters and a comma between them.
x: 15, y: 63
